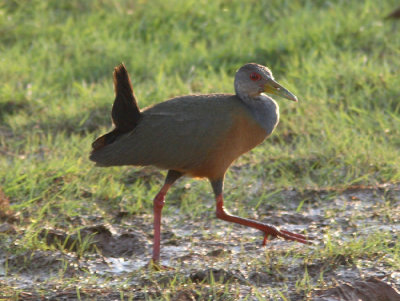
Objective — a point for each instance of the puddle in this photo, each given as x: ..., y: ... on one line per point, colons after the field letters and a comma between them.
x: 115, y: 266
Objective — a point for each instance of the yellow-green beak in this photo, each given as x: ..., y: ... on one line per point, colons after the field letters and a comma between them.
x: 272, y: 87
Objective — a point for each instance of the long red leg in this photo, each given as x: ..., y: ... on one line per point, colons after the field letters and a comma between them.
x: 266, y: 228
x: 158, y: 205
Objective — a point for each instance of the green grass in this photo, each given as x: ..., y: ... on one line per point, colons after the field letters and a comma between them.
x: 56, y: 61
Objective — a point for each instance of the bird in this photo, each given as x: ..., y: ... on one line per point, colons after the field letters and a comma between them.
x: 195, y: 135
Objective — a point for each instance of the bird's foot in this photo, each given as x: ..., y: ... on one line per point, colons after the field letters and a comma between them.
x: 285, y: 235
x: 156, y: 266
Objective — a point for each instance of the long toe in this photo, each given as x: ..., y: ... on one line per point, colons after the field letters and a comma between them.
x: 285, y: 235
x: 294, y: 236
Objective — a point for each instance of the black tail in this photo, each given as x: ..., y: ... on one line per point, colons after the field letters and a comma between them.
x: 125, y: 112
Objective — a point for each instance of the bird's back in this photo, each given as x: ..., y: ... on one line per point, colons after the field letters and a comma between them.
x: 197, y: 135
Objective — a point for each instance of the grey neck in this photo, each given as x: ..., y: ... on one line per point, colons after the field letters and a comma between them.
x: 264, y: 110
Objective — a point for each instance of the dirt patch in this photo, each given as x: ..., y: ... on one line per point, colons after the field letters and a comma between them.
x: 210, y: 257
x: 289, y: 218
x: 185, y: 295
x: 372, y: 289
x: 74, y: 294
x: 42, y: 264
x: 264, y: 278
x: 7, y: 228
x: 97, y: 238
x: 219, y: 275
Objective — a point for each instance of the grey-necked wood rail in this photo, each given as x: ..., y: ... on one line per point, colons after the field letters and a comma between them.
x: 196, y: 135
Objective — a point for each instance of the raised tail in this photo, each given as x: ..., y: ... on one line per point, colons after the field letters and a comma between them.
x: 125, y: 112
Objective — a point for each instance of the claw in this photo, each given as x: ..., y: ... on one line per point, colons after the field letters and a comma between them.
x: 294, y: 234
x: 287, y: 235
x: 156, y: 266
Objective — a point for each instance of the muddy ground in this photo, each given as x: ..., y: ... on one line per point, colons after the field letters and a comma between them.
x: 209, y: 259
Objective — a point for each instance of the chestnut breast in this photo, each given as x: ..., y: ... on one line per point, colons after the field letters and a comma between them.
x: 242, y: 136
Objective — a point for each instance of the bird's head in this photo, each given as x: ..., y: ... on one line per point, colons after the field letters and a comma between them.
x: 252, y: 79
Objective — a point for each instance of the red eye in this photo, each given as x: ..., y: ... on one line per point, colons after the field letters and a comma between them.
x: 255, y: 76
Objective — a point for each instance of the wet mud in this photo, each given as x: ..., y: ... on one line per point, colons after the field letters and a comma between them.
x: 212, y: 258
x: 371, y: 289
